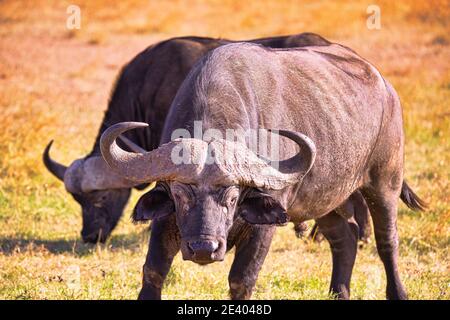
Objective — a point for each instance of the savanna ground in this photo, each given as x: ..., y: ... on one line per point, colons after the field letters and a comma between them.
x: 55, y: 83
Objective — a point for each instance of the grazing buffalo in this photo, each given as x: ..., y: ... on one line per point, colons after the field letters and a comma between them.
x: 344, y: 130
x: 144, y: 92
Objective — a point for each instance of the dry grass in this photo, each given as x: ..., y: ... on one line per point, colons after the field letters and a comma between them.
x: 54, y: 83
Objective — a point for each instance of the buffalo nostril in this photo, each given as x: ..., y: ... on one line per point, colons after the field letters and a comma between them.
x: 203, y: 248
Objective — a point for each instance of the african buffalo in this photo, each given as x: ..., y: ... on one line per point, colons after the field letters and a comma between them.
x: 143, y: 92
x: 343, y: 124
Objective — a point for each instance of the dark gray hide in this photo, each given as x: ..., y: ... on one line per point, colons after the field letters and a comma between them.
x: 328, y: 93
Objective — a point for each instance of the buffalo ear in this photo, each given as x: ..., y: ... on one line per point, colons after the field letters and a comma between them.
x: 154, y: 204
x: 261, y: 208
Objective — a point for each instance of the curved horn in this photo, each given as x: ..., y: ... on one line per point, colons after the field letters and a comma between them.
x: 118, y: 159
x: 243, y: 166
x: 301, y: 163
x: 152, y: 165
x: 277, y: 175
x: 130, y: 144
x: 58, y: 170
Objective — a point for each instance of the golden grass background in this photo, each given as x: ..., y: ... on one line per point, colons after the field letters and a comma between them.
x: 55, y: 83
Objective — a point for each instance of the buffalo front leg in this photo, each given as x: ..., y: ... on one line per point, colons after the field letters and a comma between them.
x: 164, y: 245
x: 342, y: 235
x: 251, y: 250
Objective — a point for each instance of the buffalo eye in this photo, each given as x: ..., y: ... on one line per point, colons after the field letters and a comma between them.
x: 230, y: 196
x: 183, y: 195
